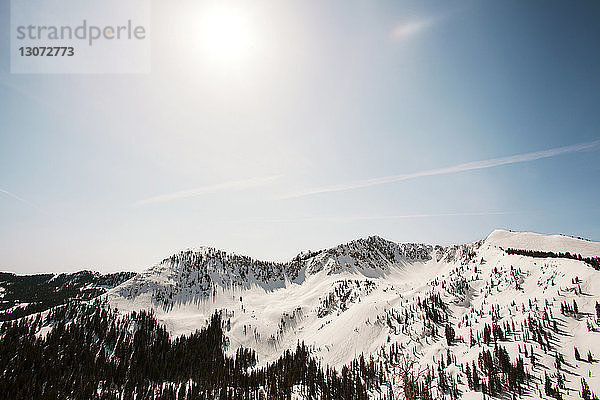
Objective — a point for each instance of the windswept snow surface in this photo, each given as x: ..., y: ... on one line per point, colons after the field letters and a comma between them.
x: 536, y: 241
x: 366, y: 296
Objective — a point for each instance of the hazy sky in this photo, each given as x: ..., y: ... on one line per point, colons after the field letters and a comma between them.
x: 294, y: 125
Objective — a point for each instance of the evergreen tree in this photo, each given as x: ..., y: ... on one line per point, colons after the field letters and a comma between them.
x: 450, y: 333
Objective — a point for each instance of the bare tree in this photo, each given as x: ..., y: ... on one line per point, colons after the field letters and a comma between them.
x: 414, y: 383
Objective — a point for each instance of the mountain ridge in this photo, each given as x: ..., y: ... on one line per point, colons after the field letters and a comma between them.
x: 198, y: 272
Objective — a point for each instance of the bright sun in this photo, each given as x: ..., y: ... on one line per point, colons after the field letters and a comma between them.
x: 227, y: 34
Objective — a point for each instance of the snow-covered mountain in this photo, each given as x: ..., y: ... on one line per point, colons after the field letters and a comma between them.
x: 523, y: 292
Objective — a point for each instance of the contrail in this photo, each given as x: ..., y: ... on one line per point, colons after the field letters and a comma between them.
x: 470, y: 166
x: 22, y: 200
x: 410, y: 216
x: 218, y: 187
x: 347, y: 219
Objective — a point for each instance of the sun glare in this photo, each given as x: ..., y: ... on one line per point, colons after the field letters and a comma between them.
x: 227, y: 34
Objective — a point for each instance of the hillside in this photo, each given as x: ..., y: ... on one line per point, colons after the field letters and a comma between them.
x: 367, y: 319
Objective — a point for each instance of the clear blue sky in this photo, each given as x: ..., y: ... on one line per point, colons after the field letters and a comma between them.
x: 339, y: 120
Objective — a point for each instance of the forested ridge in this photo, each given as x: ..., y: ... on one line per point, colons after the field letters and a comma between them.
x: 593, y: 261
x: 89, y: 351
x: 22, y: 295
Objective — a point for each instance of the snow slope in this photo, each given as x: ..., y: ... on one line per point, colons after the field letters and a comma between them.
x: 536, y: 241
